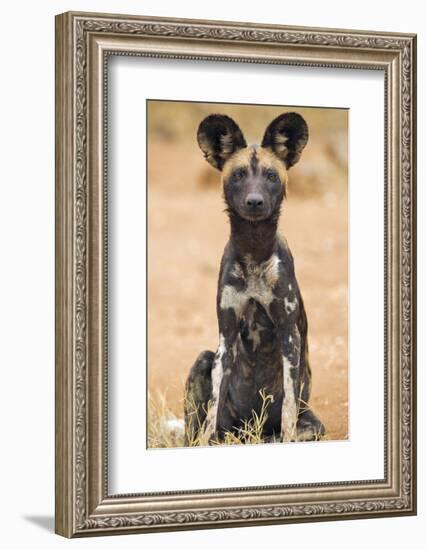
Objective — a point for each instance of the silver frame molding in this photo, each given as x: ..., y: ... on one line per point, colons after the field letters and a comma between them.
x: 83, y: 43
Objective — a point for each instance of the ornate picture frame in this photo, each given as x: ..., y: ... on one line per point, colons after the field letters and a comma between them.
x: 84, y: 42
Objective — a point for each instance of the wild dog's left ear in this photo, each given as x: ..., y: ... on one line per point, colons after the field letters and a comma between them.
x: 286, y: 136
x: 219, y: 137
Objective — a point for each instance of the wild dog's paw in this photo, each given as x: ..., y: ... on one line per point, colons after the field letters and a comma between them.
x: 309, y: 427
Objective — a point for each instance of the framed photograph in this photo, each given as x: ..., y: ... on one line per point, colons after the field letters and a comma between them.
x: 235, y: 274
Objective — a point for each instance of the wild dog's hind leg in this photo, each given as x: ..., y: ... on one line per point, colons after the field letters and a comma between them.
x: 198, y: 393
x: 309, y: 427
x: 228, y: 320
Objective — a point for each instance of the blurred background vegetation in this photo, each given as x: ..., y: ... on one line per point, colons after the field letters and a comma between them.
x: 325, y: 158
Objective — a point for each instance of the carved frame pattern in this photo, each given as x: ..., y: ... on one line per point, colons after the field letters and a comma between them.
x: 83, y: 506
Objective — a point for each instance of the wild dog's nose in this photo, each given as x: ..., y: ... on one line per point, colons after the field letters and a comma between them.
x: 254, y: 201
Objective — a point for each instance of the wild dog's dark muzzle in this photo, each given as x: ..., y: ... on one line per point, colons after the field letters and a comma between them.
x: 254, y: 201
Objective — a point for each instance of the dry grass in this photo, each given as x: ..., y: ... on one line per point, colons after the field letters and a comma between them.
x: 166, y: 430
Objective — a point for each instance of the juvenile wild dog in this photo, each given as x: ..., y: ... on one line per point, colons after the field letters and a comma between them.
x: 261, y: 316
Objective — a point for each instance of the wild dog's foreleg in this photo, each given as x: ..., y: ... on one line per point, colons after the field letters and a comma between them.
x: 291, y: 353
x: 284, y: 315
x: 221, y: 371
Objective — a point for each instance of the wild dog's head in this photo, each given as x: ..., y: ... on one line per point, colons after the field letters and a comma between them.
x: 255, y: 177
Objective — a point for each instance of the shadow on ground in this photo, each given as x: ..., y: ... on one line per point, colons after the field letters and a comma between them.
x: 44, y: 522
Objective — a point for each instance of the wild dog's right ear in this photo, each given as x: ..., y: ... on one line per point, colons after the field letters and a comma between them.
x: 219, y: 137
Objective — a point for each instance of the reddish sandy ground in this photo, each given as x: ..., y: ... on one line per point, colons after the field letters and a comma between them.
x: 187, y: 233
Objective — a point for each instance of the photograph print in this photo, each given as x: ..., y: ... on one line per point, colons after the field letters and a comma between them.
x: 247, y: 274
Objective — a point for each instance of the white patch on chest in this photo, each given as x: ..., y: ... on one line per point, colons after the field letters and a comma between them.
x: 232, y: 298
x: 260, y: 280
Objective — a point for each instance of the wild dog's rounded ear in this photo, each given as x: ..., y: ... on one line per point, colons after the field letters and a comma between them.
x: 286, y: 136
x: 219, y: 137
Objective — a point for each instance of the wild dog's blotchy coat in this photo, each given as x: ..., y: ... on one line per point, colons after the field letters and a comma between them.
x: 261, y: 317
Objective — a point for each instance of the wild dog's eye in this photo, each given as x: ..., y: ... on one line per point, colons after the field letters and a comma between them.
x: 238, y: 175
x: 272, y: 176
